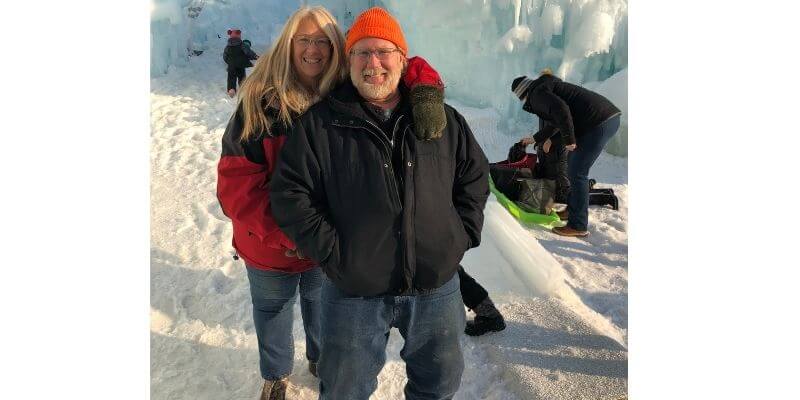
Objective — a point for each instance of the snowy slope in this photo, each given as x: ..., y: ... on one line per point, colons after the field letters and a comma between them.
x: 565, y: 299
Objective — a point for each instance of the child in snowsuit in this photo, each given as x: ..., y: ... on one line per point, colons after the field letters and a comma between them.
x: 238, y: 57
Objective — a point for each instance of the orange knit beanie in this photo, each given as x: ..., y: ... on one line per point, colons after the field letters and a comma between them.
x: 376, y: 22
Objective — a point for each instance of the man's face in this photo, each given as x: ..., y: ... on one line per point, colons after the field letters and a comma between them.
x: 375, y: 68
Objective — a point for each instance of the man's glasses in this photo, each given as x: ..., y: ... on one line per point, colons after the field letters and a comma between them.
x: 320, y: 43
x: 382, y: 54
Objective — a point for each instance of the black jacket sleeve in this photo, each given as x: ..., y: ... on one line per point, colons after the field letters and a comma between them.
x: 556, y: 110
x: 297, y: 196
x: 471, y: 187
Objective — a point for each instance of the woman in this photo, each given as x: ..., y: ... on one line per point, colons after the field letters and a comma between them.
x: 304, y: 64
x: 585, y: 121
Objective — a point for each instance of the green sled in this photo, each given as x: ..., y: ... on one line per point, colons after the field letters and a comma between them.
x: 546, y: 221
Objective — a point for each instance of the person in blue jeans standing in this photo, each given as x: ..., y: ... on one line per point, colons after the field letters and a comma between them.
x: 307, y: 52
x: 585, y: 121
x: 388, y: 208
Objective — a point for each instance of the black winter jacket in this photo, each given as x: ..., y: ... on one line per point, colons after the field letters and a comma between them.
x: 569, y: 109
x: 236, y: 55
x: 336, y: 195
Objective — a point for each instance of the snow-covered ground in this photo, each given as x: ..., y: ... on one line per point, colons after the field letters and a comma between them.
x: 565, y: 300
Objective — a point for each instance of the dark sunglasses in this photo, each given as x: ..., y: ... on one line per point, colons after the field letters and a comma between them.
x: 237, y: 31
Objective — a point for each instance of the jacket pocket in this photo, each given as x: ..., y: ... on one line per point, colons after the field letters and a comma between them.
x: 331, y: 265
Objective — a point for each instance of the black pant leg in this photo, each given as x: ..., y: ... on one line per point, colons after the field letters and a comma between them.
x: 240, y: 76
x: 231, y: 79
x: 471, y: 291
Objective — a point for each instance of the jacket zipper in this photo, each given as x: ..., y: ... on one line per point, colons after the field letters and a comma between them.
x: 388, y: 152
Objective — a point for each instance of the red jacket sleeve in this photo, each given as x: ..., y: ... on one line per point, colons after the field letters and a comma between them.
x: 243, y: 176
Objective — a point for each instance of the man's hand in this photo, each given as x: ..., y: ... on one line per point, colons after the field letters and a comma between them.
x: 571, y: 147
x: 294, y: 253
x: 546, y: 145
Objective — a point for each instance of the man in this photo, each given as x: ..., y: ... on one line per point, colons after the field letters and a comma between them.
x: 388, y: 211
x: 585, y: 122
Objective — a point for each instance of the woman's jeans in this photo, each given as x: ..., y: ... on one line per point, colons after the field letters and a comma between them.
x: 590, y: 145
x: 355, y: 331
x: 273, y: 295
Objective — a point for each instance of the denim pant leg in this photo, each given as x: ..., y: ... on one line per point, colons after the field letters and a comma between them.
x: 310, y: 290
x: 590, y: 145
x: 354, y: 335
x: 273, y: 295
x: 431, y: 325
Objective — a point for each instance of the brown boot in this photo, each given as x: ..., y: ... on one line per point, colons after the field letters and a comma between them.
x: 567, y: 231
x: 274, y: 390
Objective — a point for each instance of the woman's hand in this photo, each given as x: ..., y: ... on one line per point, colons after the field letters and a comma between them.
x: 570, y: 147
x: 527, y: 140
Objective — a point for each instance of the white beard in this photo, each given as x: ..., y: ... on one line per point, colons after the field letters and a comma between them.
x: 375, y: 92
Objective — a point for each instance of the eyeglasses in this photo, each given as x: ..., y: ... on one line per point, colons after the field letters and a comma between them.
x: 382, y: 54
x: 320, y: 43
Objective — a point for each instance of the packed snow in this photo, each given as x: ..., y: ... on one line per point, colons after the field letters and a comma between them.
x: 564, y: 299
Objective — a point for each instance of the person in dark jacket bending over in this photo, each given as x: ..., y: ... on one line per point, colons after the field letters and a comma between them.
x: 238, y: 57
x: 585, y: 121
x: 388, y: 209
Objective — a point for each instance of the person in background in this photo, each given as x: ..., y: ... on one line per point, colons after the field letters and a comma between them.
x: 476, y: 298
x: 388, y: 210
x: 237, y: 57
x: 584, y: 120
x: 248, y: 50
x: 304, y: 63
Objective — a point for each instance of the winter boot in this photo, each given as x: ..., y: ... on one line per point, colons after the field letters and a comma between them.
x: 568, y: 231
x: 487, y: 319
x: 274, y: 390
x: 312, y: 367
x: 563, y: 214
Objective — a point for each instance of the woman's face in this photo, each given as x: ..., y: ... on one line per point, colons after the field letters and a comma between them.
x: 311, y: 52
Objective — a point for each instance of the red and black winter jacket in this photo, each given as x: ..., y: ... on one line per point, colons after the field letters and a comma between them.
x: 243, y: 178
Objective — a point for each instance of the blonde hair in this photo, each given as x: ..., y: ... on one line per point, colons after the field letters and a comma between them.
x: 546, y: 71
x: 274, y: 81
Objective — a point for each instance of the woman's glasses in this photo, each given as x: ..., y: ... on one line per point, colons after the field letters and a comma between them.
x: 305, y: 41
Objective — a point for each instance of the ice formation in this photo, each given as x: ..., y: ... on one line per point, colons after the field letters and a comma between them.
x: 478, y: 46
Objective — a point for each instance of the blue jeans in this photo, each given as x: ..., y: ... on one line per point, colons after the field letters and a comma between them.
x: 273, y: 295
x: 355, y: 331
x: 590, y: 145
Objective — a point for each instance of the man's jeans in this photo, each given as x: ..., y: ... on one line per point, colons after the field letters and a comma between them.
x: 273, y: 295
x: 355, y: 331
x: 590, y: 145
